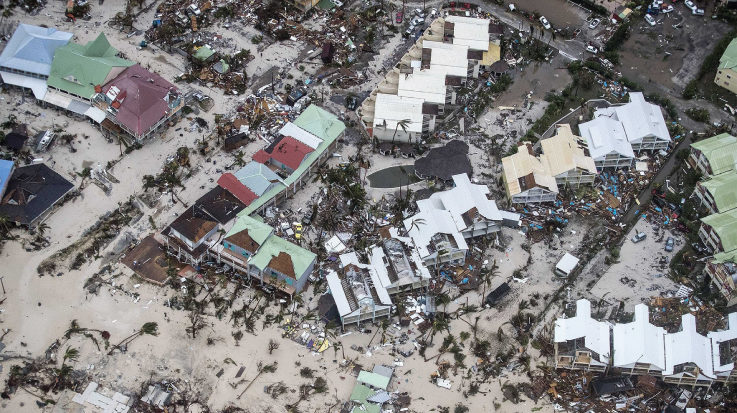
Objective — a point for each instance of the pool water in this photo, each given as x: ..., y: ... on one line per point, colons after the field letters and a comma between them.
x: 393, y: 177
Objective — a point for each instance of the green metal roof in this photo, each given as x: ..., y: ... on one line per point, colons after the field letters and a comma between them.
x: 723, y: 188
x: 257, y: 230
x: 77, y: 69
x: 301, y: 258
x: 720, y: 151
x: 203, y: 53
x: 723, y: 257
x: 725, y: 225
x: 320, y: 123
x: 729, y: 57
x: 373, y: 379
x: 360, y: 394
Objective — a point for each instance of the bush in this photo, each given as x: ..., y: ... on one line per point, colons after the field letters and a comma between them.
x: 691, y: 89
x: 698, y: 114
x: 618, y: 38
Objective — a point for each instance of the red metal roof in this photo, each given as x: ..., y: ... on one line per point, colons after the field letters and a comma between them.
x: 230, y: 183
x: 261, y: 156
x: 141, y: 98
x: 290, y: 152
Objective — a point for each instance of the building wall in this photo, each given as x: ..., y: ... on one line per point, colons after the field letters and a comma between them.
x: 534, y: 195
x: 237, y: 250
x: 727, y: 78
x: 706, y: 199
x: 650, y: 143
x: 575, y: 178
x: 613, y: 160
x: 710, y: 238
x: 387, y: 135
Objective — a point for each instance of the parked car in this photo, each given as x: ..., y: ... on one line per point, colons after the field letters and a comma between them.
x: 338, y: 4
x: 545, y: 22
x: 690, y: 5
x: 650, y: 20
x: 667, y: 9
x: 639, y: 237
x: 194, y: 9
x: 409, y: 31
x: 400, y: 17
x: 433, y: 12
x: 697, y: 12
x: 592, y: 49
x: 669, y: 244
x: 297, y: 230
x: 351, y: 102
x: 594, y: 23
x: 419, y: 13
x: 417, y: 21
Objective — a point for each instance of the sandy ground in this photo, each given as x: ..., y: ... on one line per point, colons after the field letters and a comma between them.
x: 39, y: 310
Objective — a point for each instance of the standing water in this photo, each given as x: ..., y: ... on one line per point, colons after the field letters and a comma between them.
x: 560, y: 13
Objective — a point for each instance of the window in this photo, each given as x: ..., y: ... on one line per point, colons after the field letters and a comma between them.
x: 244, y: 253
x: 226, y: 244
x: 289, y: 281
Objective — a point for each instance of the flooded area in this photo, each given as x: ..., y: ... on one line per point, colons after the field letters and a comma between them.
x: 560, y: 13
x: 536, y: 80
x: 393, y: 177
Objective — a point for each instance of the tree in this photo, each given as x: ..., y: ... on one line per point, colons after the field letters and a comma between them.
x: 151, y: 328
x: 404, y: 123
x: 196, y: 323
x: 4, y: 225
x: 273, y: 345
x: 41, y: 228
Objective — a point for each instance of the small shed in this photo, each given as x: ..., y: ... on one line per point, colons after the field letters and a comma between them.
x: 236, y: 141
x: 566, y: 265
x: 328, y: 50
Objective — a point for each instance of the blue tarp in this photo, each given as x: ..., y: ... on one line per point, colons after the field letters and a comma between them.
x: 6, y: 169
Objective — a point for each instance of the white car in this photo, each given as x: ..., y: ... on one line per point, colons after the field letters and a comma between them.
x: 194, y: 9
x: 419, y: 13
x: 594, y: 23
x: 690, y: 5
x: 667, y: 9
x: 433, y: 12
x: 545, y: 22
x: 592, y: 49
x: 337, y: 3
x: 697, y: 12
x: 650, y: 20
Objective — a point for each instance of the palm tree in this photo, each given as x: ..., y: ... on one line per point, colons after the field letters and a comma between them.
x: 151, y: 328
x: 41, y: 228
x: 404, y: 123
x: 4, y: 225
x: 416, y: 224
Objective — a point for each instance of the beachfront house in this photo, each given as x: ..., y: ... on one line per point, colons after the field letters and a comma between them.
x: 582, y: 343
x: 29, y: 193
x: 715, y: 155
x: 726, y: 76
x: 26, y: 59
x: 358, y: 295
x: 399, y: 119
x: 251, y: 248
x: 639, y: 347
x: 445, y: 220
x: 566, y: 158
x: 526, y: 179
x: 138, y: 103
x: 79, y: 71
x: 724, y: 350
x: 688, y: 356
x: 643, y: 123
x: 607, y: 143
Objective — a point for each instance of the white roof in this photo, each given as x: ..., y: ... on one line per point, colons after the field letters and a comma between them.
x: 605, y: 135
x: 595, y: 333
x: 567, y: 263
x: 718, y: 337
x: 377, y: 271
x: 334, y: 244
x: 336, y: 289
x: 639, y: 341
x: 390, y: 109
x: 443, y: 213
x: 639, y: 118
x: 448, y: 59
x: 470, y: 31
x: 426, y: 85
x: 38, y: 86
x: 290, y: 129
x: 688, y: 346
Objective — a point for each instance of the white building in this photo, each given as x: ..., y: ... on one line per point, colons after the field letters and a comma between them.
x: 447, y: 218
x: 639, y: 347
x: 358, y: 295
x: 581, y: 342
x: 445, y: 58
x: 607, y: 143
x: 398, y: 119
x: 688, y: 356
x: 643, y: 123
x: 723, y: 343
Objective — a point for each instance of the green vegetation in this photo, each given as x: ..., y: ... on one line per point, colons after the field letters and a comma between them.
x: 704, y: 81
x: 698, y: 114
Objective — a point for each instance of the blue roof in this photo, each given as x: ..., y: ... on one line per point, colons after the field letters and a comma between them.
x: 6, y: 169
x: 32, y: 48
x: 257, y: 177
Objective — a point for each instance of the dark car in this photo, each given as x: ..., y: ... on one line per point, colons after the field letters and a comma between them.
x: 351, y: 102
x: 669, y: 243
x: 296, y: 95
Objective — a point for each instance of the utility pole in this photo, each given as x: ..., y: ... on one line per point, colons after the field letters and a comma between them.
x: 2, y: 283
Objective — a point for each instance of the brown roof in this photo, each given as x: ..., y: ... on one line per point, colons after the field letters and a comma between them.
x: 475, y: 54
x: 192, y: 226
x: 470, y: 216
x: 527, y: 181
x: 243, y: 240
x: 283, y: 264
